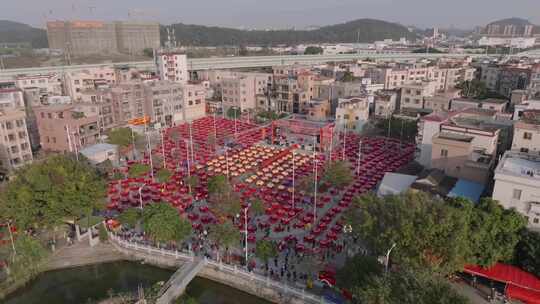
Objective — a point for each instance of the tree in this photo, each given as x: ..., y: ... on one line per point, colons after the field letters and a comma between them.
x: 219, y: 185
x: 224, y: 235
x: 163, y: 175
x: 45, y: 193
x: 138, y: 170
x: 307, y: 184
x: 192, y: 181
x: 265, y: 250
x: 338, y: 174
x: 163, y: 223
x: 427, y: 232
x: 407, y: 287
x: 527, y: 253
x: 357, y: 271
x: 494, y: 231
x: 30, y: 254
x: 130, y: 217
x: 313, y: 50
x: 234, y: 113
x: 400, y: 128
x: 257, y: 206
x: 122, y: 137
x: 472, y: 89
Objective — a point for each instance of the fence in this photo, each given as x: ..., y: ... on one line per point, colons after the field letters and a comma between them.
x: 284, y: 289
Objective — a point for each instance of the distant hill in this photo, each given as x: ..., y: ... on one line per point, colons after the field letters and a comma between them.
x: 18, y: 32
x: 362, y: 30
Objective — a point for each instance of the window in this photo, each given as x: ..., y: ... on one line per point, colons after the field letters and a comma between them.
x: 527, y: 135
x: 444, y: 153
x: 536, y: 220
x: 516, y: 194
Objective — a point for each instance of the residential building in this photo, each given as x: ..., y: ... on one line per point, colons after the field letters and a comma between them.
x: 49, y: 84
x: 11, y: 98
x: 385, y: 103
x: 88, y: 79
x: 440, y: 101
x: 527, y: 132
x: 489, y: 75
x: 414, y: 94
x: 456, y: 154
x: 352, y: 112
x: 517, y: 185
x: 172, y: 66
x: 194, y: 103
x: 318, y: 109
x: 64, y: 129
x: 498, y: 105
x: 240, y: 91
x: 129, y: 102
x: 164, y: 102
x: 15, y: 150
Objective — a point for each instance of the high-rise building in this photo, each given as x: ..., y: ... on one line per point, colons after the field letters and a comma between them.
x: 135, y: 37
x: 96, y: 37
x: 172, y: 66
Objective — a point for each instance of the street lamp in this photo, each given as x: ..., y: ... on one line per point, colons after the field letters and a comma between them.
x: 388, y: 258
x: 140, y: 196
x: 246, y: 232
x: 293, y: 169
x: 150, y: 156
x: 316, y: 162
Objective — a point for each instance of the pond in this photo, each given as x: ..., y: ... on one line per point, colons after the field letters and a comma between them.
x: 90, y: 284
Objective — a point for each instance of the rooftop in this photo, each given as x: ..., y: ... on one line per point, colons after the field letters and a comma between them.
x: 519, y: 164
x: 455, y: 137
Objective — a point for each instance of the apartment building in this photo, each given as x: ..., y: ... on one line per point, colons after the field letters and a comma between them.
x: 164, y: 102
x: 517, y: 185
x: 489, y: 75
x: 15, y: 150
x: 527, y: 133
x: 194, y: 103
x: 81, y: 38
x: 172, y: 66
x: 317, y: 109
x: 414, y: 94
x: 385, y: 103
x: 11, y: 98
x: 289, y: 94
x: 241, y: 90
x: 89, y: 79
x: 128, y: 101
x: 353, y: 112
x: 62, y: 128
x: 49, y: 84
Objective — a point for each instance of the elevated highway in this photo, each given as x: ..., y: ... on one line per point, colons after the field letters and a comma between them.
x: 198, y: 64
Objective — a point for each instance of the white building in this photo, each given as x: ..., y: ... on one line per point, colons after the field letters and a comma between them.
x: 515, y: 42
x: 172, y: 66
x: 48, y: 84
x: 88, y: 79
x: 527, y: 133
x: 517, y: 185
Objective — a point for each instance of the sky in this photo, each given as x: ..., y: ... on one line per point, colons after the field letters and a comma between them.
x: 275, y: 13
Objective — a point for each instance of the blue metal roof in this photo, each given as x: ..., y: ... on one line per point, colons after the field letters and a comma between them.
x: 467, y: 189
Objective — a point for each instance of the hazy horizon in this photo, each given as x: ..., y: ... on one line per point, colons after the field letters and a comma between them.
x: 463, y: 14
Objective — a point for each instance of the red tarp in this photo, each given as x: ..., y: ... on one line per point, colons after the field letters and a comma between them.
x: 526, y: 295
x: 521, y: 284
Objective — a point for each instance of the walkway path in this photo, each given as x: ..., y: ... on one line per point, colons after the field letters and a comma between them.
x: 80, y: 254
x: 178, y: 282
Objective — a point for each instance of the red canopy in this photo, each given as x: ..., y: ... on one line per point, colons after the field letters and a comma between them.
x: 521, y: 284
